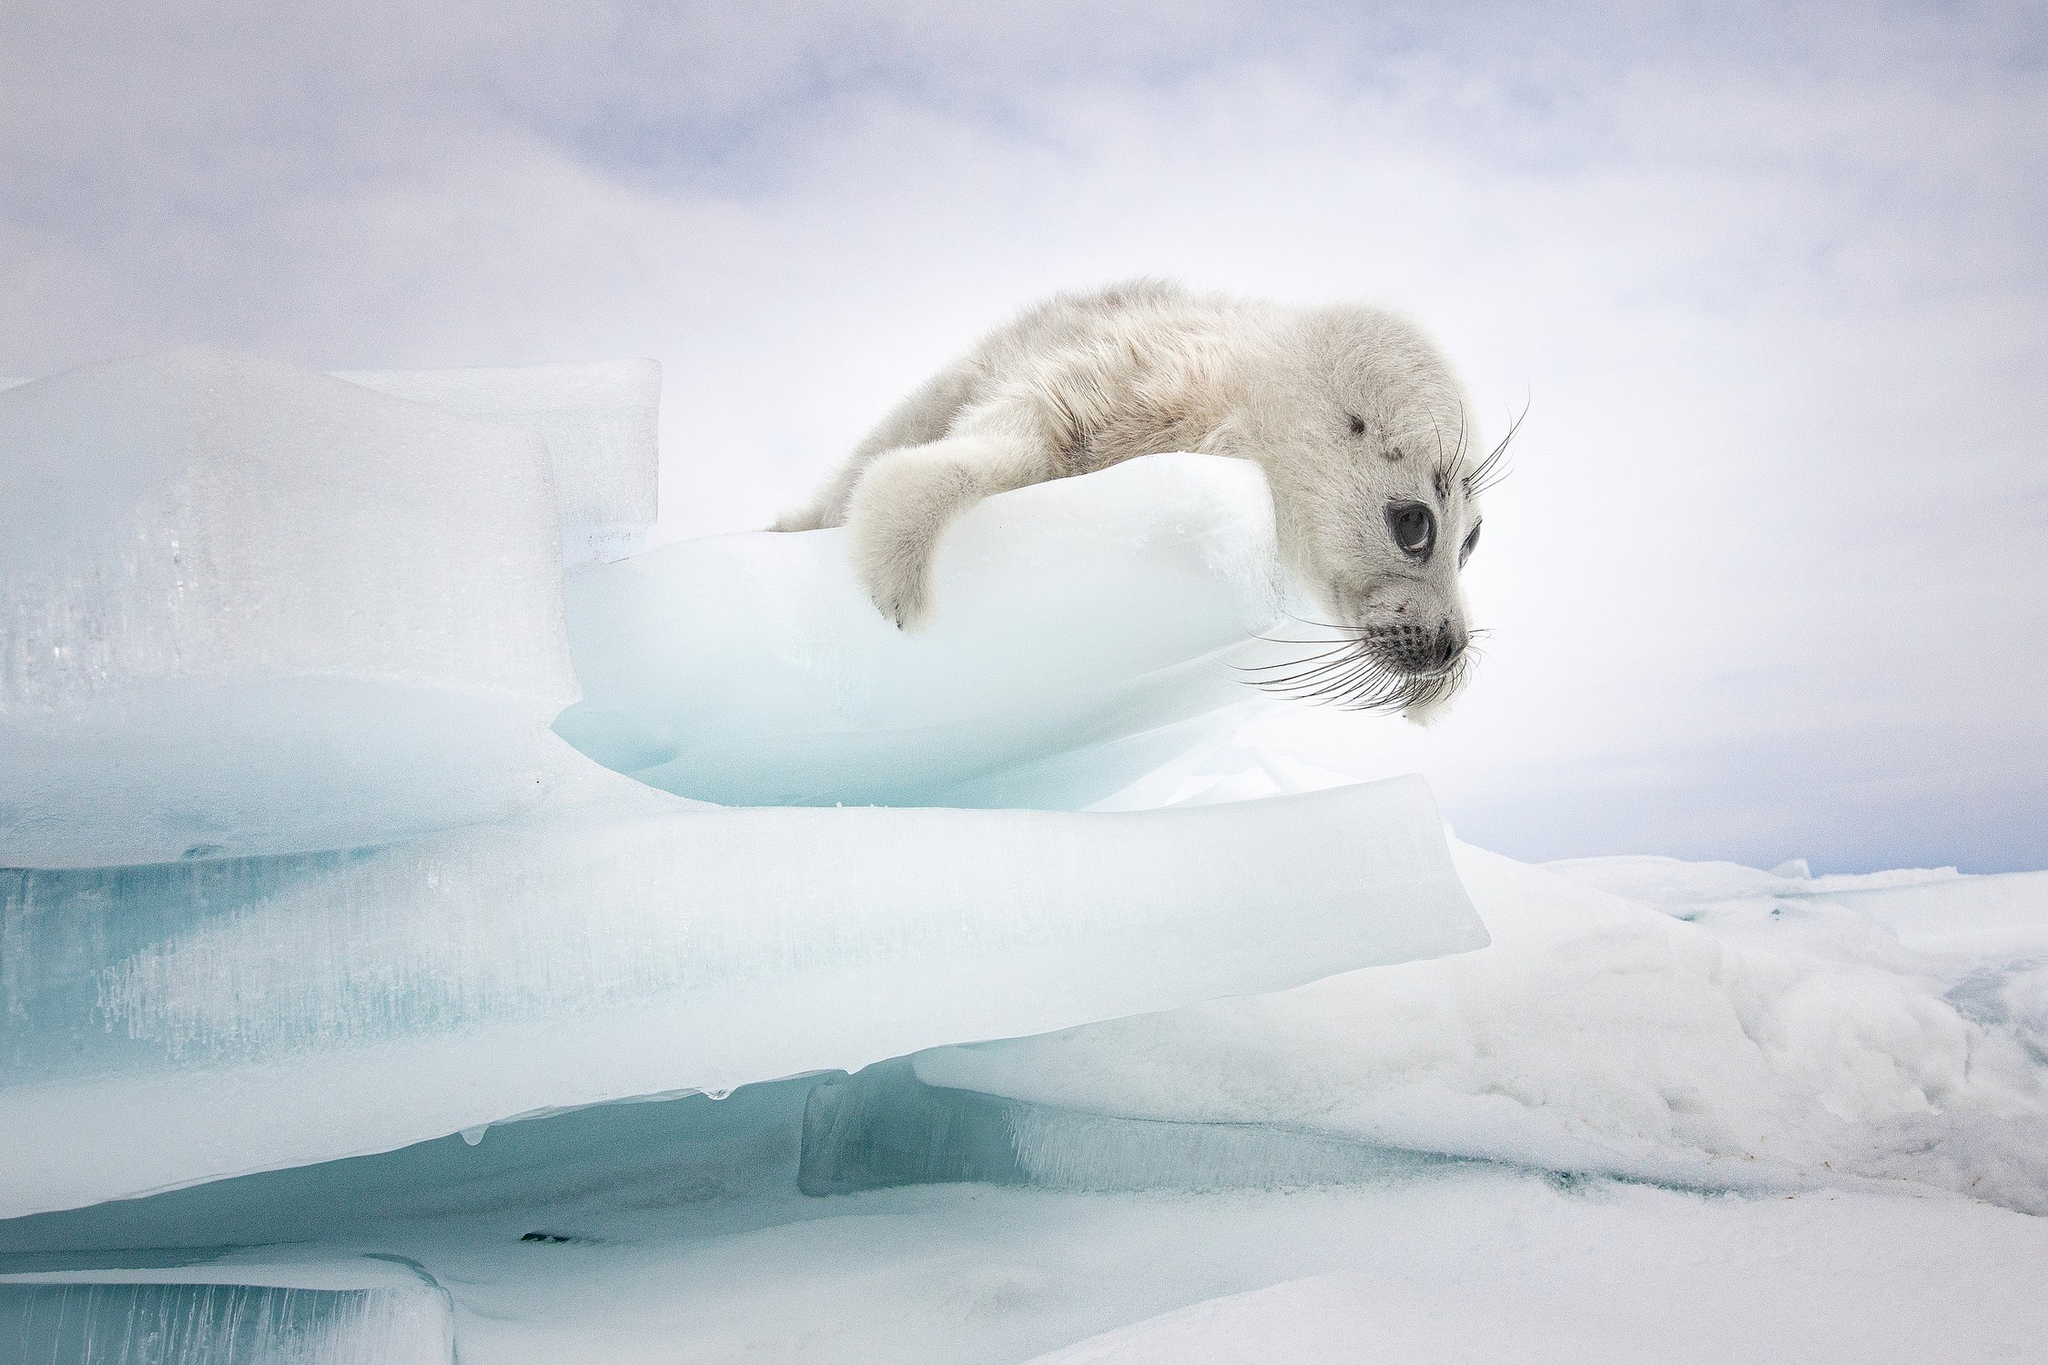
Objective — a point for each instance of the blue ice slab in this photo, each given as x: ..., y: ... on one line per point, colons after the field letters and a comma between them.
x: 597, y: 418
x: 341, y: 1313
x: 1085, y: 634
x: 250, y: 609
x: 579, y: 1175
x: 167, y: 1025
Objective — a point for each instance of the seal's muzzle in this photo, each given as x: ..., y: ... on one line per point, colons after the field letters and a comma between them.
x: 1417, y: 650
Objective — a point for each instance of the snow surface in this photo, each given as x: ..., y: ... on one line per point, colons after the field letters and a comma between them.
x: 666, y: 1231
x: 1516, y: 1272
x: 1604, y: 1034
x: 1487, y: 1267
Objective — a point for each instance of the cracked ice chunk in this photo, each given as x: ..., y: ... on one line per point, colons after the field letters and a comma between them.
x: 599, y: 422
x: 228, y: 1313
x: 246, y: 608
x: 1083, y: 637
x: 169, y: 1025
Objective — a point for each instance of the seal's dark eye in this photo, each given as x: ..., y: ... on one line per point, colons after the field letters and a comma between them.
x: 1414, y: 528
x: 1465, y: 550
x: 1357, y: 424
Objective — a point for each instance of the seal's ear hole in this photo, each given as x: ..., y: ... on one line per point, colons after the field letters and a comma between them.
x: 1413, y: 527
x: 1357, y: 424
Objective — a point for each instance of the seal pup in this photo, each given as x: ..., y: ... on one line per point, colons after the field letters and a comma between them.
x: 1354, y: 415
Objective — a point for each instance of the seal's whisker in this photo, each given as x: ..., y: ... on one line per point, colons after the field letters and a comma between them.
x: 1356, y: 681
x: 1353, y: 631
x: 1313, y: 659
x: 1312, y: 677
x: 1288, y: 681
x: 1340, y: 679
x: 1334, y: 647
x: 1444, y: 466
x: 1334, y: 650
x: 1316, y: 680
x: 1345, y: 673
x: 1281, y: 640
x: 1491, y: 470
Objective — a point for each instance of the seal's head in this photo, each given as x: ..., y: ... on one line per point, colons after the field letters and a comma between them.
x: 1364, y: 435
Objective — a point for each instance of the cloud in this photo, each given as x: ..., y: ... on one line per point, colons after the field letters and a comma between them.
x: 1773, y: 286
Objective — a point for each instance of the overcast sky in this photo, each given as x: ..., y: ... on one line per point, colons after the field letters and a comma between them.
x: 1768, y: 579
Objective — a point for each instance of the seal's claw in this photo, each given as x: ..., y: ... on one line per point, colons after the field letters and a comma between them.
x: 902, y: 599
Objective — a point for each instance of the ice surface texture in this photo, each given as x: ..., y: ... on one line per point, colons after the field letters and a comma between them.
x: 246, y: 608
x: 597, y: 419
x: 1084, y: 636
x: 343, y: 1313
x: 884, y: 1127
x: 250, y: 609
x: 262, y: 1013
x: 685, y: 1240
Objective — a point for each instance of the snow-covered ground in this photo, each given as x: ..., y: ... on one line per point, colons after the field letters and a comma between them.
x: 1727, y: 1029
x: 1481, y: 1267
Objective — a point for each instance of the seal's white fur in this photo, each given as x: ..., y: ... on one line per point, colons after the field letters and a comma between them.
x: 1347, y: 408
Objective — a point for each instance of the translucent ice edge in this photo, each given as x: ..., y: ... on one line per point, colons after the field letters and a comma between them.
x: 332, y: 1313
x: 249, y: 609
x: 599, y: 420
x: 1084, y: 635
x: 164, y: 1026
x: 1087, y: 637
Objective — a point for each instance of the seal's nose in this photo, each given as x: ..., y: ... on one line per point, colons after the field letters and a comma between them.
x: 1417, y: 649
x: 1450, y: 643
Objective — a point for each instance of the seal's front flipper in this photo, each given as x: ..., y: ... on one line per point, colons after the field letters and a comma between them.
x: 903, y: 503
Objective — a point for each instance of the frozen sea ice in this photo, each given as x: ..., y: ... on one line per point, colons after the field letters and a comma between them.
x: 168, y: 1025
x: 246, y: 608
x: 598, y: 419
x: 1089, y: 638
x: 345, y: 1311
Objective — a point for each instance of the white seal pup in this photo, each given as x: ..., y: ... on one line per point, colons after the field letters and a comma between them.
x: 1357, y: 420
